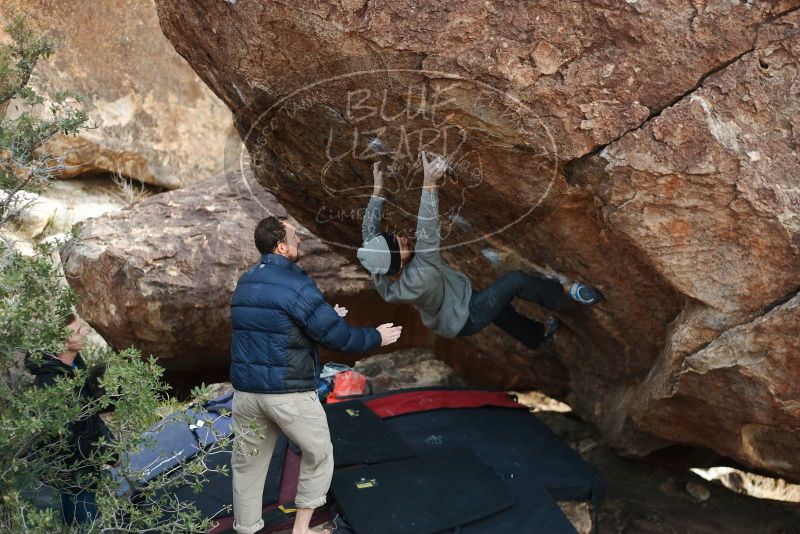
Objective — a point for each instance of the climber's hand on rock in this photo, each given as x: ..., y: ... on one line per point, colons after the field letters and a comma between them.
x: 432, y: 169
x: 389, y: 333
x: 377, y: 177
x: 340, y: 310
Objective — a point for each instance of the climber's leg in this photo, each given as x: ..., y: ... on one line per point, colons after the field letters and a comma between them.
x: 530, y: 333
x: 487, y: 304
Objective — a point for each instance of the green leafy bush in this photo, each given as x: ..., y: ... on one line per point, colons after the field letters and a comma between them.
x: 34, y: 300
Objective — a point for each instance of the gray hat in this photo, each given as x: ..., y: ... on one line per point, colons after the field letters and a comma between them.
x: 380, y: 255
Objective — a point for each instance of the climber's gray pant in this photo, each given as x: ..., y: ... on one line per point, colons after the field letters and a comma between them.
x: 493, y: 305
x: 257, y: 418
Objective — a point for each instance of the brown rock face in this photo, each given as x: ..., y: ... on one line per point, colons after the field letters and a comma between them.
x: 157, y: 122
x: 647, y: 148
x: 742, y: 386
x: 708, y: 192
x: 159, y: 275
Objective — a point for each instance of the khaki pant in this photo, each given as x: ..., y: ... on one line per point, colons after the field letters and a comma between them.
x: 257, y: 418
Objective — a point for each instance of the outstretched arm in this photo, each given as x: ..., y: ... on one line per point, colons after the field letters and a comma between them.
x: 428, y: 229
x: 320, y: 322
x: 372, y: 216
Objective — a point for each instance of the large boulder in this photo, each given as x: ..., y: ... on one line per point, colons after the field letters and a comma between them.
x: 708, y: 193
x: 645, y: 147
x: 156, y: 120
x: 159, y: 275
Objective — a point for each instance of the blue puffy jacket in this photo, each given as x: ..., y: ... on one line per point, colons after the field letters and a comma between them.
x: 278, y: 316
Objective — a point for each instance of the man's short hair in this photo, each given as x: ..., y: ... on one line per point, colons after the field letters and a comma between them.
x: 69, y: 319
x: 269, y: 232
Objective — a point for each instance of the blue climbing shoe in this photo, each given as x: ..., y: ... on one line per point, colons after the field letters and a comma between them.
x: 584, y: 294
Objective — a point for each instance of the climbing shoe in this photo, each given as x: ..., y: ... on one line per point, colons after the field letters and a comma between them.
x: 550, y: 327
x: 584, y: 294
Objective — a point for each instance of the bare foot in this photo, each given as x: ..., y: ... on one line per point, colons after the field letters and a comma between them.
x: 318, y: 530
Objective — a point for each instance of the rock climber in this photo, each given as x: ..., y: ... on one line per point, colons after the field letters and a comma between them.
x: 445, y: 298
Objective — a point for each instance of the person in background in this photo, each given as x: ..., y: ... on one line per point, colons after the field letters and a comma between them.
x: 87, y: 434
x: 279, y: 316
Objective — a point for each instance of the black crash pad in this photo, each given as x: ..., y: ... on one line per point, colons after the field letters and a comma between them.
x: 420, y: 495
x: 537, y: 466
x: 217, y: 491
x: 361, y: 437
